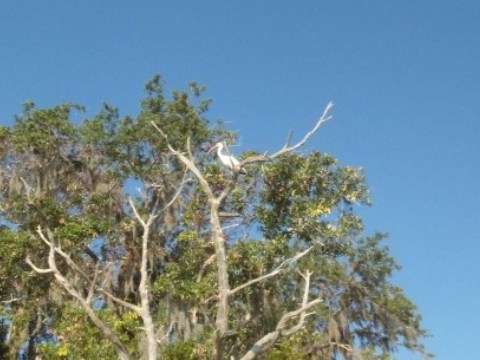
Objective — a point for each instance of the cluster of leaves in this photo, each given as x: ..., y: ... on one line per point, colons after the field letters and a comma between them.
x: 181, y: 276
x: 75, y: 179
x: 74, y: 337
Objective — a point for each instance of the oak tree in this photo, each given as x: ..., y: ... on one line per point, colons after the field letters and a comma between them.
x: 123, y: 238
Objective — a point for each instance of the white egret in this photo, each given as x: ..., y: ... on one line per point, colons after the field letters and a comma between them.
x: 228, y: 160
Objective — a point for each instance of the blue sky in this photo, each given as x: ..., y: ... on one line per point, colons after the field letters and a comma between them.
x: 404, y: 75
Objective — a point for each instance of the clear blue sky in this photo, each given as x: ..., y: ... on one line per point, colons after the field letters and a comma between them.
x: 404, y: 75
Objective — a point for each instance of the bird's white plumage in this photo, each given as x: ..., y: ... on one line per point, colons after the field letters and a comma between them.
x: 227, y: 159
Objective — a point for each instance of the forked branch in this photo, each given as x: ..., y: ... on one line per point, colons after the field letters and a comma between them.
x: 287, y: 148
x: 68, y: 286
x: 281, y: 329
x: 276, y: 271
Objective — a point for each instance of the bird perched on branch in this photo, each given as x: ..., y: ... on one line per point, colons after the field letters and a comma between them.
x: 228, y: 160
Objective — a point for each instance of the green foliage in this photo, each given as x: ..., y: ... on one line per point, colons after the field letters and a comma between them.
x: 198, y: 348
x: 40, y: 130
x: 180, y: 278
x: 187, y: 350
x: 74, y: 179
x: 300, y: 190
x: 288, y: 349
x: 79, y: 339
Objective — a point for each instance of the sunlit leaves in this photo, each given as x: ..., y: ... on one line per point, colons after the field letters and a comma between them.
x: 75, y: 181
x: 74, y: 337
x: 41, y: 130
x: 300, y: 190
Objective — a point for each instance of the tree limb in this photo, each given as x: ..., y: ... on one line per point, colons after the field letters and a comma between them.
x: 37, y: 269
x: 204, y: 267
x: 91, y: 290
x: 189, y: 163
x: 119, y: 301
x: 144, y: 309
x: 276, y: 271
x: 287, y: 148
x: 268, y: 340
x: 323, y: 119
x: 135, y: 211
x: 67, y: 285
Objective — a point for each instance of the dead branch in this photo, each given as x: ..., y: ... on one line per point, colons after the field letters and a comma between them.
x: 188, y: 162
x: 276, y: 271
x: 28, y: 190
x: 287, y: 148
x: 144, y: 310
x: 268, y: 340
x: 10, y: 301
x: 78, y: 270
x: 204, y: 267
x: 177, y: 194
x: 119, y: 301
x: 323, y: 119
x: 91, y: 290
x: 137, y: 215
x: 68, y: 286
x: 167, y: 333
x: 218, y: 239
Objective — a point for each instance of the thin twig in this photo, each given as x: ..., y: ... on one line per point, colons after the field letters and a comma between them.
x: 177, y: 194
x: 91, y: 291
x: 6, y: 302
x: 289, y: 137
x: 323, y: 119
x: 204, y: 266
x: 170, y: 328
x: 287, y: 148
x: 268, y: 340
x: 119, y: 301
x: 137, y: 215
x: 37, y: 269
x: 276, y: 271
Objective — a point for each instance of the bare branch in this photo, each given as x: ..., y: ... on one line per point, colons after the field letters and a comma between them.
x: 189, y: 163
x: 269, y: 339
x: 218, y: 239
x: 204, y: 266
x: 195, y: 170
x: 345, y: 347
x: 50, y: 241
x: 68, y: 286
x: 28, y: 189
x: 229, y: 187
x: 323, y: 119
x: 37, y: 269
x: 160, y: 131
x: 289, y: 138
x: 119, y: 301
x: 91, y: 291
x: 43, y: 237
x: 177, y: 194
x: 135, y: 211
x: 77, y: 269
x: 189, y: 148
x: 276, y: 271
x: 170, y: 328
x: 144, y: 309
x: 6, y: 302
x: 287, y: 148
x: 306, y: 290
x: 72, y: 263
x: 231, y: 226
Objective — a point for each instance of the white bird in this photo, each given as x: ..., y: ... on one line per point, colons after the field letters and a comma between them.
x: 228, y: 160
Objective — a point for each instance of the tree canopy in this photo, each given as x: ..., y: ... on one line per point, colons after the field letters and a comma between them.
x: 122, y: 238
